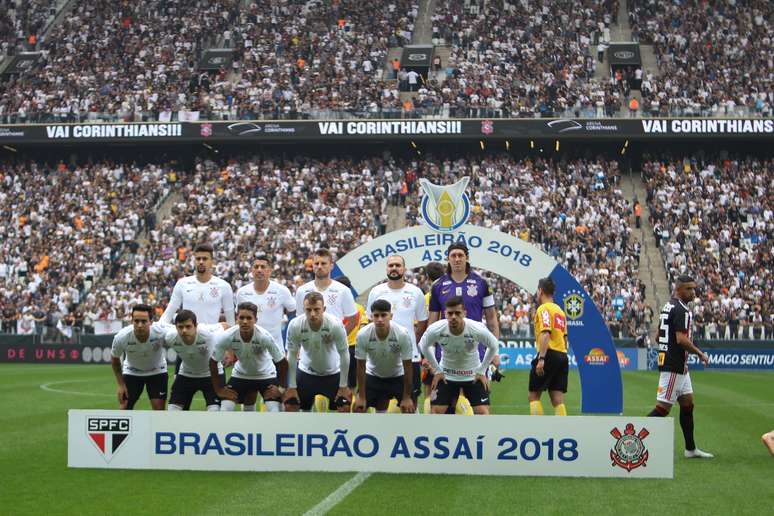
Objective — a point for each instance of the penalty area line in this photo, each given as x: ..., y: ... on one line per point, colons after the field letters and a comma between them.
x: 333, y: 499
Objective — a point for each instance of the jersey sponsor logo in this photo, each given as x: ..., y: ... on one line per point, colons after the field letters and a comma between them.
x: 629, y: 452
x: 573, y: 305
x: 472, y: 291
x: 457, y: 291
x: 108, y: 434
x: 545, y: 316
x: 445, y: 208
x: 559, y: 322
x: 623, y: 360
x: 596, y: 357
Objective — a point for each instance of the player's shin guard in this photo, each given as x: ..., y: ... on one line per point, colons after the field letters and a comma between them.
x: 659, y: 411
x: 213, y: 408
x: 686, y: 423
x: 463, y: 407
x: 173, y: 408
x: 535, y: 408
x: 427, y: 407
x: 321, y: 403
x: 248, y: 408
x: 227, y: 406
x: 393, y: 407
x: 272, y: 406
x: 560, y: 410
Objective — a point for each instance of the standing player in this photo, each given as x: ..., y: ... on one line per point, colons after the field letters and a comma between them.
x: 674, y: 344
x: 337, y: 298
x: 272, y: 298
x: 194, y: 345
x: 321, y: 342
x: 551, y: 367
x: 352, y: 336
x: 460, y: 367
x: 254, y: 372
x: 384, y: 352
x: 144, y: 364
x: 408, y: 310
x: 204, y: 294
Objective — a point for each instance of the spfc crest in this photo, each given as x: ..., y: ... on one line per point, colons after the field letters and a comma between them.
x: 108, y: 434
x: 629, y: 452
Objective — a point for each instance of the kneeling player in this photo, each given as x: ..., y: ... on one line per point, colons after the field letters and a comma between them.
x: 193, y: 343
x: 144, y: 363
x: 255, y: 371
x: 320, y: 340
x: 460, y: 367
x: 384, y: 370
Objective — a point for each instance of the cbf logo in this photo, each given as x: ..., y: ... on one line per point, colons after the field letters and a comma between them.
x: 573, y: 304
x: 445, y: 208
x: 108, y: 434
x: 629, y: 452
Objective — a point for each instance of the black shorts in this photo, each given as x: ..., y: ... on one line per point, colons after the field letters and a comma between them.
x: 446, y: 393
x: 155, y: 385
x: 184, y: 388
x: 352, y: 379
x: 244, y: 386
x: 310, y: 385
x: 381, y: 390
x: 555, y: 371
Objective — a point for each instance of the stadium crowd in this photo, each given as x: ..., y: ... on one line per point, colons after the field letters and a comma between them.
x: 714, y: 218
x: 714, y: 57
x: 22, y: 22
x: 62, y: 229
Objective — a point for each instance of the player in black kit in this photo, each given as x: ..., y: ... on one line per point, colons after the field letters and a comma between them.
x: 674, y: 344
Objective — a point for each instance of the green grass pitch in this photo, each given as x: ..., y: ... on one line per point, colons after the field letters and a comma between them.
x: 733, y: 409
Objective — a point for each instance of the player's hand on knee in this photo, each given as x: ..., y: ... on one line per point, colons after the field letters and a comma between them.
x: 226, y: 393
x: 272, y: 393
x: 123, y: 395
x: 360, y: 405
x: 407, y: 406
x: 437, y: 378
x: 481, y: 378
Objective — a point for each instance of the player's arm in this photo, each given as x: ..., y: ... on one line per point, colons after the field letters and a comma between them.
x: 116, y: 351
x: 223, y: 392
x: 492, y: 321
x: 342, y: 346
x: 427, y: 347
x: 175, y: 302
x: 407, y: 403
x: 492, y: 344
x: 360, y: 356
x: 434, y: 307
x: 291, y: 398
x: 227, y: 304
x: 685, y: 342
x: 351, y: 313
x: 542, y: 346
x: 277, y: 356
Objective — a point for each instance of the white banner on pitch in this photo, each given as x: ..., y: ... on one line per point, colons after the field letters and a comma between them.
x: 575, y: 446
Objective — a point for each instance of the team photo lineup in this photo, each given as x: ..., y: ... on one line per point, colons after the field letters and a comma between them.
x: 278, y: 257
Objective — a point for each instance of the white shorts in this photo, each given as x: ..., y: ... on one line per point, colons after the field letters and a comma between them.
x: 673, y: 385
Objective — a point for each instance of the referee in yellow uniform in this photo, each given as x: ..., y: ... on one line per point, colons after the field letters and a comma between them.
x: 551, y: 366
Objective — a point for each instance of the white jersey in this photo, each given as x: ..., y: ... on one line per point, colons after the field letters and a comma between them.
x: 141, y: 358
x: 271, y: 306
x: 206, y: 300
x: 459, y: 360
x: 384, y: 358
x: 255, y: 358
x: 195, y: 357
x: 338, y: 299
x: 322, y: 352
x: 408, y: 305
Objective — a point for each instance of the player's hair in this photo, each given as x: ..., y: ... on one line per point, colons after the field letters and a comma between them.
x: 247, y: 305
x: 205, y: 247
x: 142, y: 307
x: 263, y: 257
x: 402, y: 259
x: 381, y: 305
x: 185, y: 315
x: 685, y: 278
x: 454, y: 301
x: 323, y: 251
x: 462, y: 247
x: 434, y: 270
x: 344, y: 281
x: 314, y: 297
x: 547, y: 285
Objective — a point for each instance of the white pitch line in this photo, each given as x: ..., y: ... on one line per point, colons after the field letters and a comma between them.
x: 47, y: 387
x: 338, y: 495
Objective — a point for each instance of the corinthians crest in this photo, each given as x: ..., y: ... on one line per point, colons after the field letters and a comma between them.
x: 629, y: 452
x: 445, y: 208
